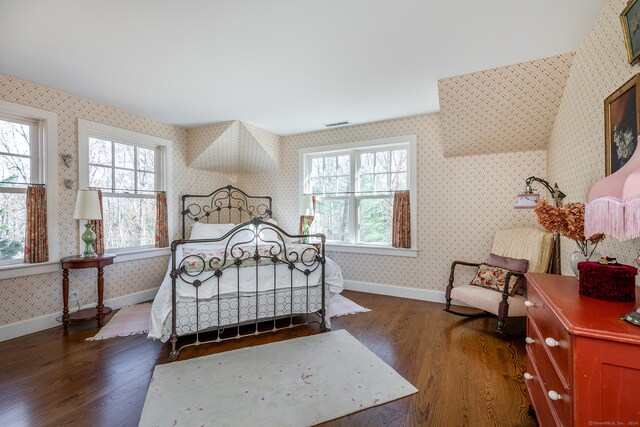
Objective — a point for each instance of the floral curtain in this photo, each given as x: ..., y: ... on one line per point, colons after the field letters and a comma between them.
x: 401, y: 234
x: 307, y: 219
x: 98, y: 228
x: 36, y: 247
x: 162, y: 226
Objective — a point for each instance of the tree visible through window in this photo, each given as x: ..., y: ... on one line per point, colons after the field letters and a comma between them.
x: 17, y: 143
x: 354, y: 191
x: 127, y: 176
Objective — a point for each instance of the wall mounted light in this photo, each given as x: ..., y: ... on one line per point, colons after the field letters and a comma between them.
x: 528, y: 199
x: 67, y: 159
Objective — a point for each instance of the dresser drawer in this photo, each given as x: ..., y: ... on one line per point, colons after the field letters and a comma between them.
x: 555, y: 337
x: 545, y: 415
x: 557, y: 395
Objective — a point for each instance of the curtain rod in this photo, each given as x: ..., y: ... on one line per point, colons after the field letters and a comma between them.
x: 127, y: 190
x: 21, y: 183
x: 357, y: 192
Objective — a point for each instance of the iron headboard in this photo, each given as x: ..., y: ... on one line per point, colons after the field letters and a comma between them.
x: 224, y: 204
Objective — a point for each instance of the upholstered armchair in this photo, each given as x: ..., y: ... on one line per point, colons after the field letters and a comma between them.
x: 510, y: 249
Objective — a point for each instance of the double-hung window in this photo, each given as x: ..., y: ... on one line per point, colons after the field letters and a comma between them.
x: 28, y: 141
x: 354, y: 186
x: 129, y: 168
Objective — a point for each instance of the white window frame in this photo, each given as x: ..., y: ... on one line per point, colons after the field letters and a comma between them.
x: 87, y: 129
x: 46, y: 162
x: 304, y: 158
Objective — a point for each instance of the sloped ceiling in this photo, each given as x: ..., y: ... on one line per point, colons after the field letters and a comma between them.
x: 233, y: 147
x: 506, y: 109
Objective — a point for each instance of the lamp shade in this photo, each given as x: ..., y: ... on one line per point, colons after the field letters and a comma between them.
x: 527, y: 200
x: 87, y: 205
x: 613, y: 206
x: 306, y: 205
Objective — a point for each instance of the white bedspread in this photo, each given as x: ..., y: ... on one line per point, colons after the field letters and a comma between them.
x: 228, y: 286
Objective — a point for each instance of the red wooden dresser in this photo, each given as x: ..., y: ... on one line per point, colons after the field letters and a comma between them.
x: 583, y: 363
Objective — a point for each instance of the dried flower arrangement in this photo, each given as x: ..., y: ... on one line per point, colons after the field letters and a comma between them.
x: 567, y: 220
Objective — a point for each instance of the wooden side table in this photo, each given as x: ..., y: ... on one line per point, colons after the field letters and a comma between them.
x: 76, y: 262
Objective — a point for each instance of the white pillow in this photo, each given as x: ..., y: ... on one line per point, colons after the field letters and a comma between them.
x: 269, y: 234
x: 209, y: 231
x: 244, y: 236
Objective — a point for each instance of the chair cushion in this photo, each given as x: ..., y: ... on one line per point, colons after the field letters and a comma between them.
x: 513, y: 264
x: 493, y: 278
x: 528, y: 243
x: 488, y: 300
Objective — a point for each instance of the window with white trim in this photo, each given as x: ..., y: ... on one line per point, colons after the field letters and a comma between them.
x: 28, y: 150
x: 129, y: 168
x: 354, y: 186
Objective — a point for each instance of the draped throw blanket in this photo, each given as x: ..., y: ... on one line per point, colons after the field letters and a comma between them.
x: 162, y: 226
x: 36, y: 247
x: 98, y: 228
x: 401, y: 234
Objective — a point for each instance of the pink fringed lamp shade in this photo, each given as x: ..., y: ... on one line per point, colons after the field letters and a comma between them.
x: 613, y: 206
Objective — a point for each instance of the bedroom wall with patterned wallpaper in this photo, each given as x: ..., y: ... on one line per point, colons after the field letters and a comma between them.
x: 27, y: 297
x: 461, y: 200
x: 576, y: 149
x: 505, y: 109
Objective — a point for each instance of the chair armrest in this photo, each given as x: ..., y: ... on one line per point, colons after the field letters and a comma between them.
x: 453, y: 268
x: 507, y: 279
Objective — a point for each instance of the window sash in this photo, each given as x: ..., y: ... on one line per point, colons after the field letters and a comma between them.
x: 129, y: 193
x: 157, y: 169
x: 36, y: 169
x: 355, y: 194
x: 36, y: 148
x: 106, y: 196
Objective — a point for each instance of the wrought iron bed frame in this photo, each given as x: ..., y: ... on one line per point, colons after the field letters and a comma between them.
x: 246, y: 250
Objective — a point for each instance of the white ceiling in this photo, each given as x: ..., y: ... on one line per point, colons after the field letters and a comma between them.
x: 287, y: 66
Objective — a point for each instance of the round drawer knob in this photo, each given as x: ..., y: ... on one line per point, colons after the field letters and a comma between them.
x: 528, y: 303
x: 551, y: 342
x: 553, y: 395
x: 529, y: 340
x: 528, y: 376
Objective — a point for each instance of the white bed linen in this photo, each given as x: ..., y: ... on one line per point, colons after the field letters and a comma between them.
x: 161, y: 309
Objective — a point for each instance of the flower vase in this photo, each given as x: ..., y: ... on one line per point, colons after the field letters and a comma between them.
x: 579, y: 256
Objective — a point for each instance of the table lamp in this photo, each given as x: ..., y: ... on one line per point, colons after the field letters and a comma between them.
x: 88, y: 208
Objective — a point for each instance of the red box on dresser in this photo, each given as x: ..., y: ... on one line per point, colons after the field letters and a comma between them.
x: 613, y: 282
x: 583, y: 362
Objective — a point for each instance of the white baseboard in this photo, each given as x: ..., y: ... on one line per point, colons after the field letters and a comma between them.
x: 29, y: 326
x: 395, y: 291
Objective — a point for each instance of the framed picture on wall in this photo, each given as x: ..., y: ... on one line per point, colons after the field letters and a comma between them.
x: 630, y: 18
x: 621, y: 125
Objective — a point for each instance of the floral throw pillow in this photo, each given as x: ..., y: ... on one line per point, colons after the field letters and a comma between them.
x: 493, y: 278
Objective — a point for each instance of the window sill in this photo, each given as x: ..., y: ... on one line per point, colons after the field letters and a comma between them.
x: 373, y: 250
x: 21, y: 270
x: 135, y: 254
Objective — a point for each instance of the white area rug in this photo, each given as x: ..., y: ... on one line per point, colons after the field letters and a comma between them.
x: 130, y: 320
x: 298, y: 382
x: 341, y: 306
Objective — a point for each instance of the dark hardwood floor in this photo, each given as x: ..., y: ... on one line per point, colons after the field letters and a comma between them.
x: 466, y: 374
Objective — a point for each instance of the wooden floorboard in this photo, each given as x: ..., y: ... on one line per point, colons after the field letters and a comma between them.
x: 465, y: 373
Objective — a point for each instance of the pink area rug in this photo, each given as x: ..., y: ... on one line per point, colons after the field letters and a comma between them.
x: 130, y: 320
x: 134, y: 319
